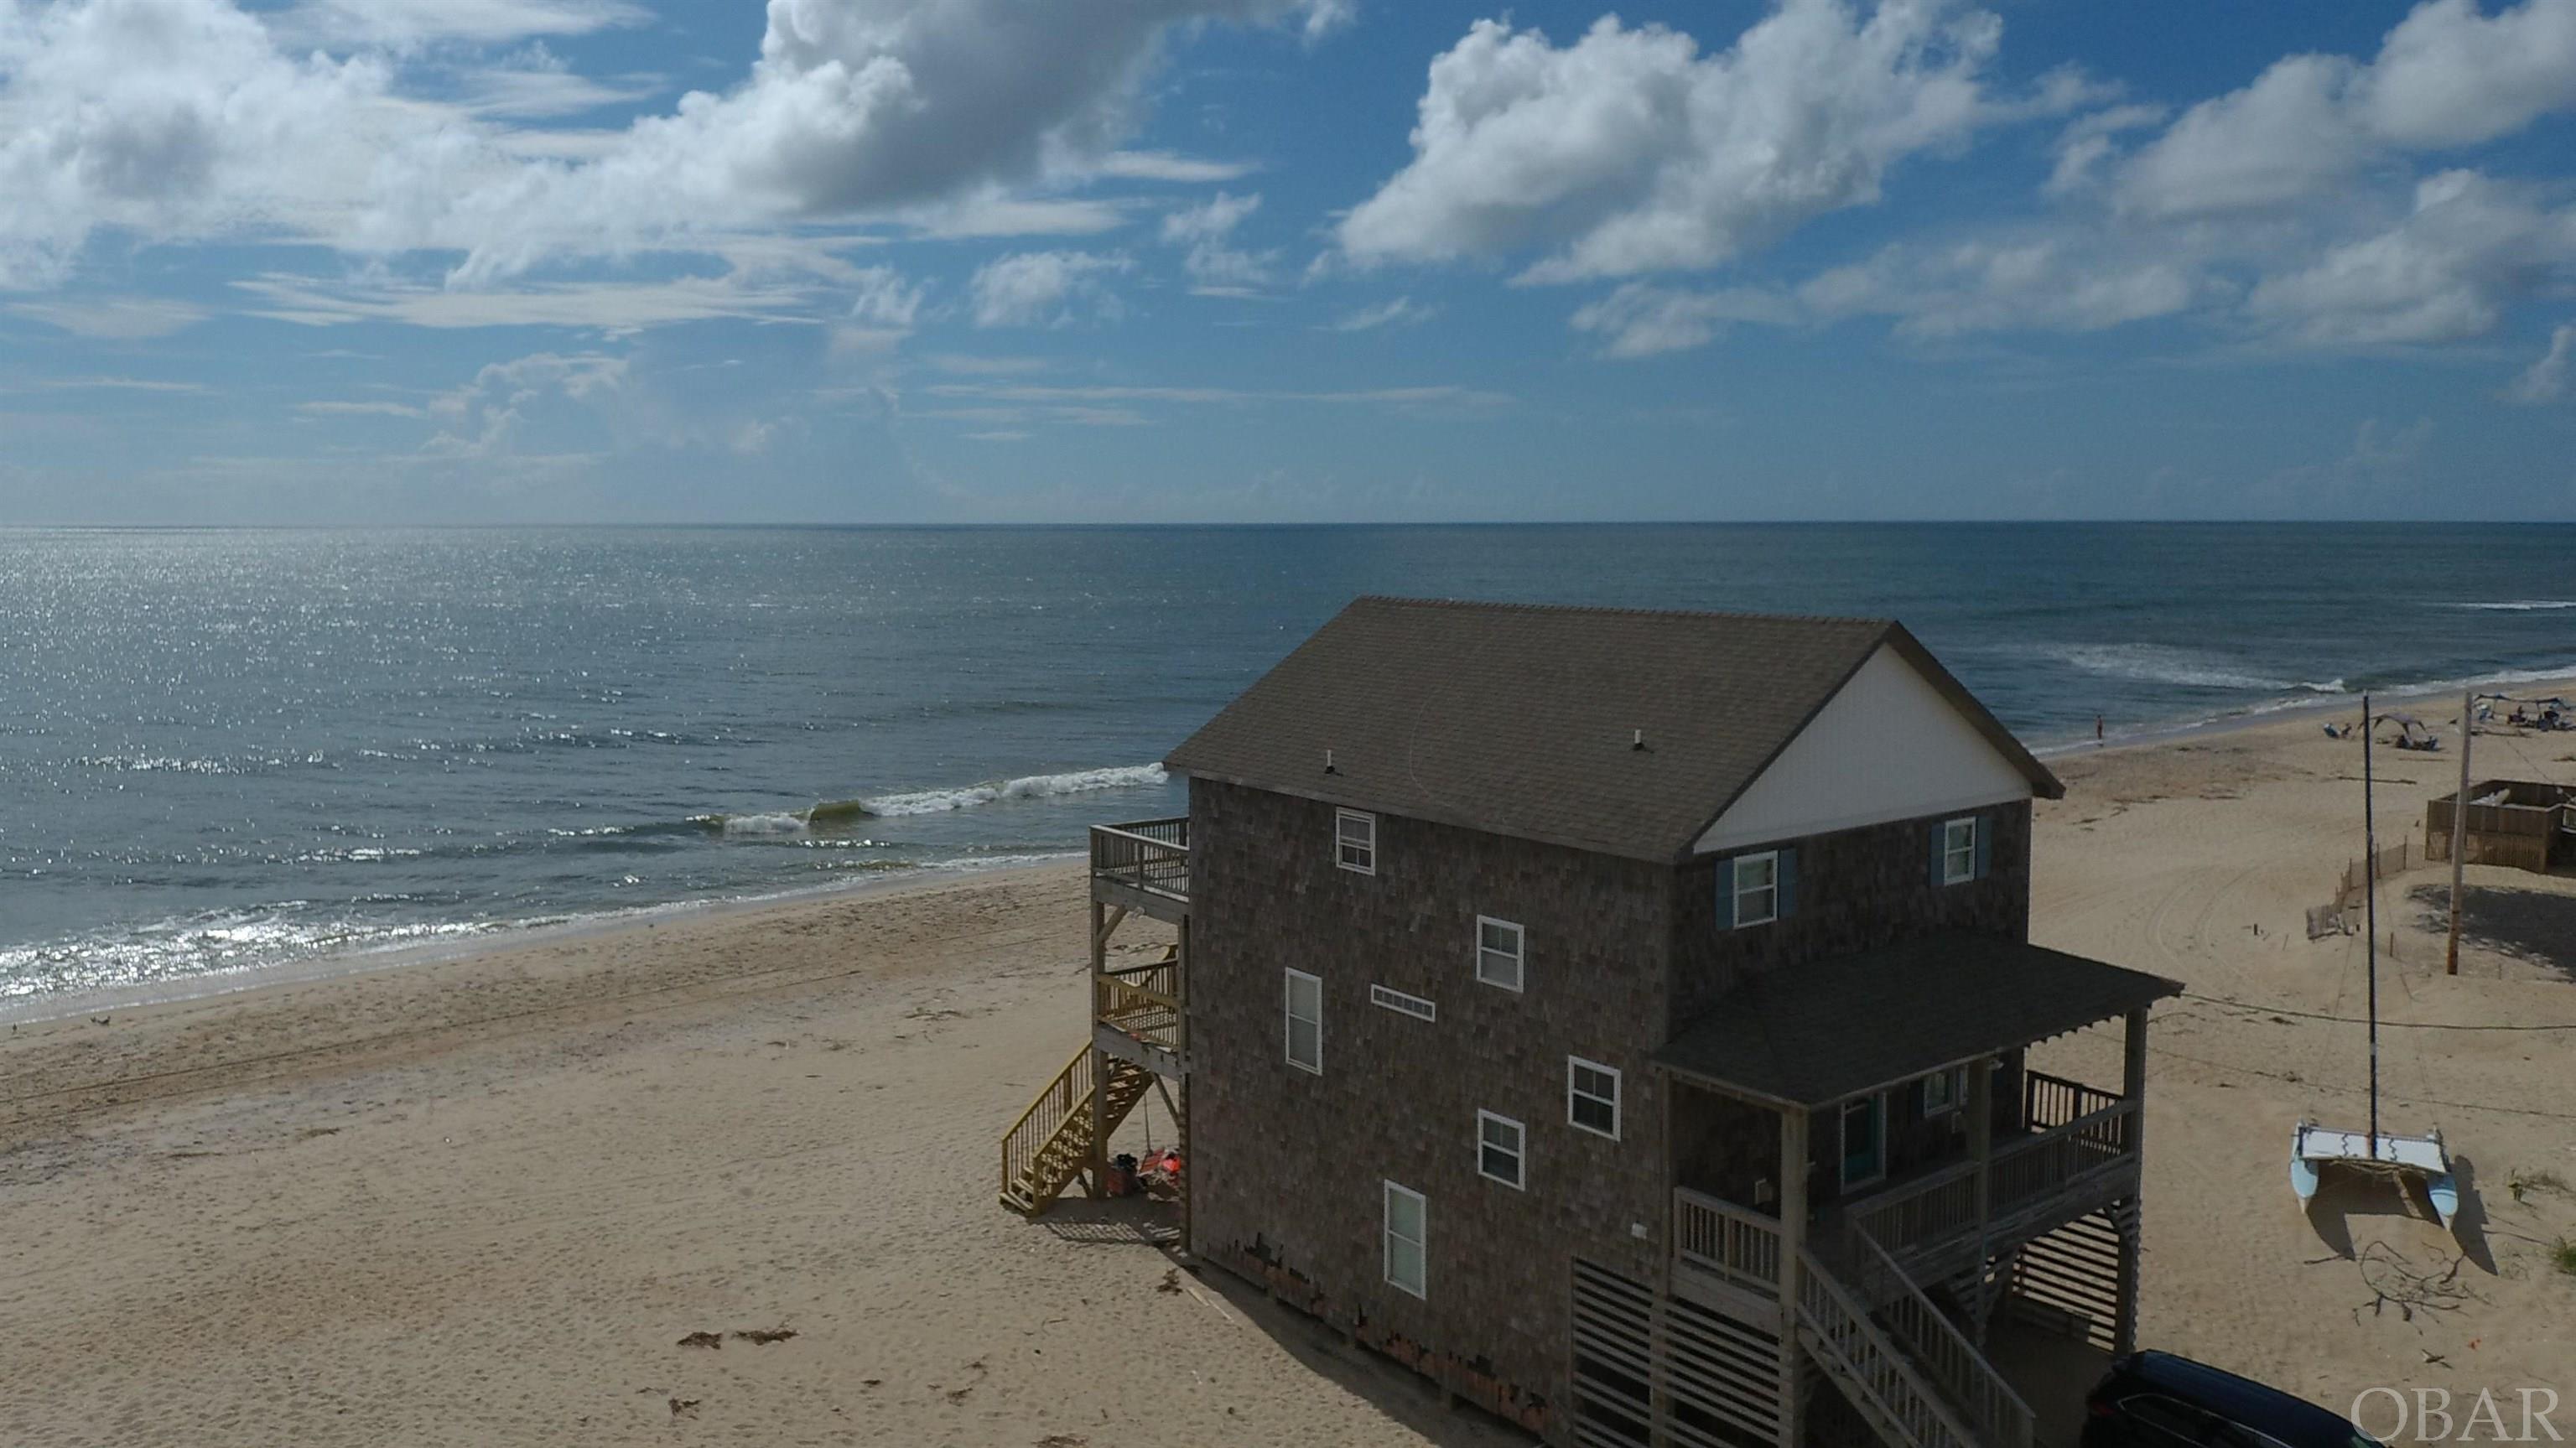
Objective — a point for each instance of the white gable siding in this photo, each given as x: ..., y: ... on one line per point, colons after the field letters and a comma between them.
x: 1887, y: 747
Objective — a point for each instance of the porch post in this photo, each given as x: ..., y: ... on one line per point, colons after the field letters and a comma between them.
x: 1793, y: 1242
x: 1181, y: 1039
x: 1659, y: 1404
x: 1097, y: 1185
x: 2133, y: 1086
x: 1981, y: 1145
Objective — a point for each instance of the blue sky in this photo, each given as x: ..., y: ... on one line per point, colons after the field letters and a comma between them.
x: 1216, y: 260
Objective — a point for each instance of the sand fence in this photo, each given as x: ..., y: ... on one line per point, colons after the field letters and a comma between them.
x: 2337, y: 918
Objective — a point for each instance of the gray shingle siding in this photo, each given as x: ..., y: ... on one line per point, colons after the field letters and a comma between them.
x: 1857, y: 890
x: 1287, y: 1166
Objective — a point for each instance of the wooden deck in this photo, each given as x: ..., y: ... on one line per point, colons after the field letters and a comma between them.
x: 1143, y: 866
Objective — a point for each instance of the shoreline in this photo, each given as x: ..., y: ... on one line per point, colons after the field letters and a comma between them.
x: 2298, y: 710
x: 500, y: 940
x: 507, y: 937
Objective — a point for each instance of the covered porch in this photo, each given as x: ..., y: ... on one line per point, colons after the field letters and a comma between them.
x: 1878, y: 1112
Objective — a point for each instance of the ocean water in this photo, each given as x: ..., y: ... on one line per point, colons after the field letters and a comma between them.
x: 225, y: 751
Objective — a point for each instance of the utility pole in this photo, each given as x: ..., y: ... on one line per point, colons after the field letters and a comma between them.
x: 2460, y: 821
x: 2370, y: 914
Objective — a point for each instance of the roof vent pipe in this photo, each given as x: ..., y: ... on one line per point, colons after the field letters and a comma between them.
x: 1328, y: 763
x: 1639, y: 742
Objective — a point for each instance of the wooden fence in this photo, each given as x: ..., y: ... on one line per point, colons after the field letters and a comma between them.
x: 2336, y: 918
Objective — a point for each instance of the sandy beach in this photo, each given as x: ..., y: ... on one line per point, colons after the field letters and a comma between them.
x: 483, y: 1200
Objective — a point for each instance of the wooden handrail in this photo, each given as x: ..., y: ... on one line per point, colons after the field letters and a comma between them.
x: 2050, y: 1101
x: 2036, y: 1165
x: 1945, y: 1353
x: 1876, y: 1373
x: 1725, y: 1238
x: 1149, y: 855
x: 1942, y: 1206
x: 1930, y: 1209
x: 1071, y: 1087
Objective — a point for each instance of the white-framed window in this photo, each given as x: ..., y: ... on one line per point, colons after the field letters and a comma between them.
x: 1355, y: 841
x: 1757, y: 888
x: 1402, y: 1004
x: 1305, y: 1021
x: 1502, y: 1152
x: 1959, y: 850
x: 1592, y: 1097
x: 1408, y: 1226
x: 1498, y: 952
x: 1943, y: 1091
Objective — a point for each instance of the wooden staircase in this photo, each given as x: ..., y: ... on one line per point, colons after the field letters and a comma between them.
x: 1913, y: 1375
x: 1051, y: 1145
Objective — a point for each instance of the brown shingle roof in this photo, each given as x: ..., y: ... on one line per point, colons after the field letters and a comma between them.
x: 1820, y: 1033
x: 1518, y: 719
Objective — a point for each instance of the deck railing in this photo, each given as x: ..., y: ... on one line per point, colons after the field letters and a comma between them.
x: 1145, y: 1001
x: 2054, y: 1101
x: 1940, y: 1209
x: 1877, y: 1373
x: 1148, y: 855
x: 1932, y: 1209
x: 1068, y: 1092
x: 2033, y: 1168
x: 1726, y: 1239
x: 1943, y: 1353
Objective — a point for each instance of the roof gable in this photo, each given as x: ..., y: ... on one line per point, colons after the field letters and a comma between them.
x: 1525, y: 720
x: 1887, y: 746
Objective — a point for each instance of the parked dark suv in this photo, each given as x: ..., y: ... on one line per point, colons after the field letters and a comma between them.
x: 2157, y: 1400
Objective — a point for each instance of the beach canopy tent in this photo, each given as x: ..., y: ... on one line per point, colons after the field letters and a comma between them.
x: 2411, y: 731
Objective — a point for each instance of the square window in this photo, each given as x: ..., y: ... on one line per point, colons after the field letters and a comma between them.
x: 1757, y: 888
x: 1500, y: 1149
x: 1592, y: 1097
x: 1407, y: 1229
x: 1498, y: 952
x: 1944, y: 1090
x: 1305, y: 1021
x: 1959, y: 851
x: 1355, y: 841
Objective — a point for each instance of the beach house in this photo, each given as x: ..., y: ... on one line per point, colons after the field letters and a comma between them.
x: 1620, y: 1018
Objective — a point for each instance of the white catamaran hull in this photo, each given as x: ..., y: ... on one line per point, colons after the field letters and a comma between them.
x: 2313, y: 1148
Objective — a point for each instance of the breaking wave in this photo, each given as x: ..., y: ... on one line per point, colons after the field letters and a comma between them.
x: 2527, y: 605
x: 2166, y: 664
x: 1035, y: 786
x: 930, y: 801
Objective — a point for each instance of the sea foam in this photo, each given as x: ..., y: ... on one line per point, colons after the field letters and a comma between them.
x: 1035, y: 786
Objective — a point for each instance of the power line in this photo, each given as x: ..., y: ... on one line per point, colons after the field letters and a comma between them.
x: 2297, y: 1080
x: 2357, y: 1020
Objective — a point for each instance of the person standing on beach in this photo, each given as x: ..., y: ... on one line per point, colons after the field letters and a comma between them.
x: 2097, y: 731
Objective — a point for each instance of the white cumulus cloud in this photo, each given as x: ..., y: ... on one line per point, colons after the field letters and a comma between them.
x: 1046, y: 288
x: 2447, y: 272
x: 2448, y: 75
x: 198, y: 120
x: 1630, y: 152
